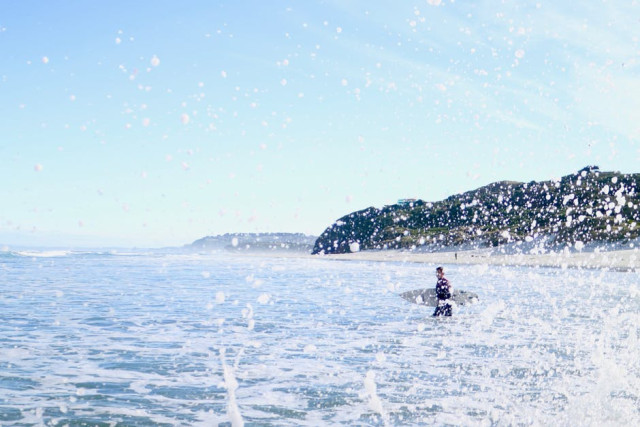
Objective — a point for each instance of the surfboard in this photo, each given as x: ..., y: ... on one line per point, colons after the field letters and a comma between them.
x: 428, y: 297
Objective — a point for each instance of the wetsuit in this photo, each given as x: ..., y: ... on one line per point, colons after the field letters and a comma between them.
x: 443, y: 293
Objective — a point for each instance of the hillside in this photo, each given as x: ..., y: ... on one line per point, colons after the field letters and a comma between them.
x: 255, y: 242
x: 585, y: 207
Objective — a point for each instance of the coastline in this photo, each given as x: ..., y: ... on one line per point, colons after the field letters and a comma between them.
x: 618, y: 260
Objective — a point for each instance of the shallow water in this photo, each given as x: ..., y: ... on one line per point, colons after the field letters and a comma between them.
x: 161, y: 339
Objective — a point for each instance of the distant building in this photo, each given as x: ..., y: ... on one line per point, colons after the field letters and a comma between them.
x: 405, y: 203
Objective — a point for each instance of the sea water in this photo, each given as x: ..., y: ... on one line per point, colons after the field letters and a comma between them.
x: 207, y: 339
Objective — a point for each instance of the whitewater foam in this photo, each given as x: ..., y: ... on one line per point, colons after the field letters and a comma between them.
x: 135, y: 340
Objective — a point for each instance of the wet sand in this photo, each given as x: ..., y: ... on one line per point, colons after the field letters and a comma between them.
x: 620, y: 260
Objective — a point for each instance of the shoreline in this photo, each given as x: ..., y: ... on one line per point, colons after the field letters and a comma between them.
x: 617, y: 260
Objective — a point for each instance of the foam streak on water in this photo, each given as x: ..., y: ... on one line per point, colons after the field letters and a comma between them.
x: 161, y: 339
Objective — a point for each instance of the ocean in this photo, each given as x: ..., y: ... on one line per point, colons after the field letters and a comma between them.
x: 152, y: 338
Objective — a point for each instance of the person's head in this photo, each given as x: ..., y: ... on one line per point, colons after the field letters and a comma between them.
x: 440, y: 272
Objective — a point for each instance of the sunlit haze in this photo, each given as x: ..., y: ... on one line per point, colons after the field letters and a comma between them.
x: 154, y: 123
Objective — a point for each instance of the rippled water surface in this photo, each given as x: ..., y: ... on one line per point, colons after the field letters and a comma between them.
x: 158, y: 339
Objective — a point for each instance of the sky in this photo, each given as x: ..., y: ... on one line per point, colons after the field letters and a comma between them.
x: 155, y: 123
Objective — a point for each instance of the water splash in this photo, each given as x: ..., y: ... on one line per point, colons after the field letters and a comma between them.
x: 371, y: 391
x: 231, y: 385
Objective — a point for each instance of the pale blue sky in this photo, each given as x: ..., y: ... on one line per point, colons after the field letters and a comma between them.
x: 153, y: 123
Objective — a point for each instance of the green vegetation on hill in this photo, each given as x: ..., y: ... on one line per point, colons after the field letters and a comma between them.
x: 588, y: 206
x: 293, y: 242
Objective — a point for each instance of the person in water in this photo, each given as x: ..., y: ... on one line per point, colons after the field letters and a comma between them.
x: 444, y: 290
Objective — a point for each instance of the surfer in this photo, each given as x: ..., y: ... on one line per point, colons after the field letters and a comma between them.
x: 443, y: 293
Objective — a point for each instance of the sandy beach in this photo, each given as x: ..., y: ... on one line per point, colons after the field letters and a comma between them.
x: 620, y: 260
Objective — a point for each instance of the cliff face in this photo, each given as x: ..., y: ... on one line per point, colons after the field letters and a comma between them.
x: 588, y: 206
